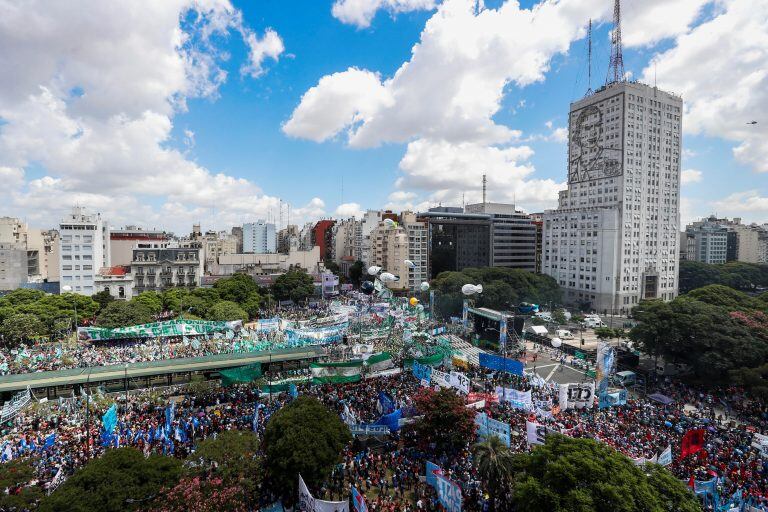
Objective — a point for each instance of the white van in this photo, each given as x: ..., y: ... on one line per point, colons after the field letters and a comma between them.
x: 593, y: 322
x: 564, y: 334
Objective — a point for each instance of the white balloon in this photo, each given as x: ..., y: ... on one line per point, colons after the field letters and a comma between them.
x: 386, y: 276
x: 556, y: 342
x: 373, y: 270
x: 478, y: 288
x: 390, y: 223
x: 424, y: 286
x: 468, y: 289
x: 409, y: 264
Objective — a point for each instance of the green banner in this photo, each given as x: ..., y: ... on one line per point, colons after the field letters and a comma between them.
x: 336, y: 379
x: 240, y: 375
x: 433, y: 360
x: 158, y: 329
x: 579, y: 355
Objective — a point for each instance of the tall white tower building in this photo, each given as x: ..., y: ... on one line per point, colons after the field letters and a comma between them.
x: 613, y: 240
x: 259, y: 237
x: 84, y: 249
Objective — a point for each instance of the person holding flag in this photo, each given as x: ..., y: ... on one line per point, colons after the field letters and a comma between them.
x: 358, y: 501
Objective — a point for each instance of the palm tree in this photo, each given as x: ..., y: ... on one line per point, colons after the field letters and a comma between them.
x: 493, y: 461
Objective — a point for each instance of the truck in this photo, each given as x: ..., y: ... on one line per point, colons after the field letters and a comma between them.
x: 564, y: 334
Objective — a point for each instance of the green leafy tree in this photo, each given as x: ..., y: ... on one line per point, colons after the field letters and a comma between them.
x: 103, y: 298
x: 225, y: 311
x: 21, y: 327
x: 712, y: 340
x: 501, y: 287
x: 356, y: 271
x: 151, y: 300
x: 579, y: 475
x: 236, y: 288
x: 445, y: 421
x: 233, y: 458
x: 724, y: 297
x: 295, y: 285
x: 16, y: 478
x: 252, y: 305
x: 493, y: 461
x: 122, y: 479
x: 23, y: 296
x: 558, y: 316
x: 122, y: 314
x: 303, y: 437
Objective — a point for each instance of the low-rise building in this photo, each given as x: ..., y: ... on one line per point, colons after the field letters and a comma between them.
x: 161, y: 268
x: 117, y: 281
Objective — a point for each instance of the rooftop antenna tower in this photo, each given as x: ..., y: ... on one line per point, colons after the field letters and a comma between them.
x: 616, y: 67
x: 485, y: 181
x: 589, y: 58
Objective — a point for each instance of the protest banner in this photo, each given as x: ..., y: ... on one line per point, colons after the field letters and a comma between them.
x: 307, y: 503
x: 577, y: 395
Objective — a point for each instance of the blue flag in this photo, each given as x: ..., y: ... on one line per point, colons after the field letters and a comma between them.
x: 432, y: 471
x: 170, y: 412
x: 109, y: 420
x: 49, y: 441
x: 386, y: 403
x: 358, y: 501
x: 292, y: 390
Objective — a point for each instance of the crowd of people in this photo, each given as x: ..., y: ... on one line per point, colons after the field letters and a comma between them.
x: 62, y: 436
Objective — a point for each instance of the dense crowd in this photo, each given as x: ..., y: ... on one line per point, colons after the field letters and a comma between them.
x: 62, y: 435
x: 389, y: 475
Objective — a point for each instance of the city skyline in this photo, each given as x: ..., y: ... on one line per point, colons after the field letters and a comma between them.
x: 214, y: 113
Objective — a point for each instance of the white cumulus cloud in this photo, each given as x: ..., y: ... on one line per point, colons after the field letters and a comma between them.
x: 690, y: 176
x: 361, y: 12
x: 721, y: 70
x: 94, y: 93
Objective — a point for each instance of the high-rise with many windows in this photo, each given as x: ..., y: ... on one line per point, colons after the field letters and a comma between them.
x: 84, y: 249
x: 613, y: 240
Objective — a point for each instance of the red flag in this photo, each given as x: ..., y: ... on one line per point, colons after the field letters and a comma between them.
x: 691, y: 482
x: 693, y: 441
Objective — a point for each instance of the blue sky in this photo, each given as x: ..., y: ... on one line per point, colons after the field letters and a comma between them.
x: 161, y: 135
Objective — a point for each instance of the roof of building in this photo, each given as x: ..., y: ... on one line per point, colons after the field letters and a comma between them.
x: 113, y: 271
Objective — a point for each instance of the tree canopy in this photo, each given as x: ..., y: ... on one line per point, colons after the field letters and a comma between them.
x: 445, y: 421
x: 736, y: 274
x: 226, y: 310
x: 567, y: 474
x: 124, y: 313
x: 21, y: 327
x: 16, y: 477
x: 236, y: 288
x: 122, y: 479
x: 502, y: 288
x: 720, y: 332
x: 56, y: 313
x: 303, y: 437
x: 295, y: 285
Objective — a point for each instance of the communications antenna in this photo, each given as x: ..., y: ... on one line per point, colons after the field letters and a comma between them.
x: 484, y: 184
x: 589, y: 59
x: 616, y: 67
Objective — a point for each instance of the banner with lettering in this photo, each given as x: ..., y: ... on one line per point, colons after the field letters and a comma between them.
x: 465, y: 313
x: 448, y: 493
x: 442, y: 379
x: 610, y: 399
x: 606, y: 361
x: 487, y: 427
x: 460, y: 381
x: 307, y: 503
x: 536, y: 433
x: 577, y: 395
x: 422, y: 372
x: 517, y: 399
